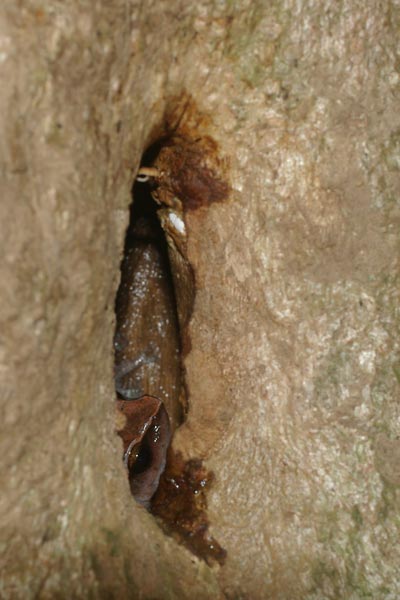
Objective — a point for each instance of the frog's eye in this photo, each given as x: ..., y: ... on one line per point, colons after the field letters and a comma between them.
x: 145, y: 173
x: 142, y: 178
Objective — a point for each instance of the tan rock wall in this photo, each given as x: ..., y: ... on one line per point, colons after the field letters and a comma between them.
x: 294, y: 368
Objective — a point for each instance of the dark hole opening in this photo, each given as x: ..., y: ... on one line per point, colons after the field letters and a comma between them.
x: 153, y: 309
x: 143, y: 460
x: 147, y: 342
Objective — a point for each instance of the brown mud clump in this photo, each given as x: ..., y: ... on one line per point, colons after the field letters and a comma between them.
x: 189, y: 170
x: 181, y: 504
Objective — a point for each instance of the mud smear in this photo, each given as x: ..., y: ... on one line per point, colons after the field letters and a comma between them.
x: 181, y: 503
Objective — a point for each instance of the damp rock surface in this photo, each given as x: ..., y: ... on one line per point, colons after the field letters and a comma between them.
x: 293, y: 368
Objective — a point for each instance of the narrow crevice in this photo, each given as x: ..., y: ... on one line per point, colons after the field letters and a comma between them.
x: 147, y: 346
x: 153, y: 310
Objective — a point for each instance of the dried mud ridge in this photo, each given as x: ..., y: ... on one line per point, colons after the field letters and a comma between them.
x: 153, y: 308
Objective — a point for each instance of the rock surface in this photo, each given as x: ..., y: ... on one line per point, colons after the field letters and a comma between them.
x: 294, y: 368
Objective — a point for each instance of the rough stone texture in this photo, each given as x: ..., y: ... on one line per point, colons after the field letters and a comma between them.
x: 294, y: 371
